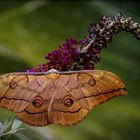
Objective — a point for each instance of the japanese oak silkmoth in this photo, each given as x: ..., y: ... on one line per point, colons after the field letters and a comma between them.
x: 53, y: 97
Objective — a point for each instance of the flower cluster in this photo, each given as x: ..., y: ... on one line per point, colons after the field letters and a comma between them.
x: 62, y: 58
x: 39, y: 68
x: 65, y: 55
x: 100, y: 34
x: 84, y: 54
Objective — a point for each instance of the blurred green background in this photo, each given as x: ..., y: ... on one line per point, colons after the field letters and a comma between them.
x: 30, y: 29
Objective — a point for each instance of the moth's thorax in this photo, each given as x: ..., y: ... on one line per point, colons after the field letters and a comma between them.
x: 53, y: 76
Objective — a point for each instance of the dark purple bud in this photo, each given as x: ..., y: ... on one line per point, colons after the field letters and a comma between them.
x: 30, y: 70
x: 82, y: 42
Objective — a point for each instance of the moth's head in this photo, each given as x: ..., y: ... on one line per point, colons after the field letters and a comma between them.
x: 52, y: 71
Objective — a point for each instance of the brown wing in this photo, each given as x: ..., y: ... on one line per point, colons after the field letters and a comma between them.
x: 55, y: 105
x: 67, y: 98
x: 65, y: 110
x: 95, y: 87
x: 36, y: 113
x: 76, y: 93
x: 18, y: 90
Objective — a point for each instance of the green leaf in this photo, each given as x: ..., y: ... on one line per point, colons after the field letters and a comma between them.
x: 21, y: 136
x: 16, y: 124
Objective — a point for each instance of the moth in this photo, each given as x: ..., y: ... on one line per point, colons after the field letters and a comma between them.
x: 53, y: 97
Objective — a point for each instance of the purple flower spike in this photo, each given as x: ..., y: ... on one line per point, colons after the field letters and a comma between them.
x: 84, y: 54
x: 66, y: 54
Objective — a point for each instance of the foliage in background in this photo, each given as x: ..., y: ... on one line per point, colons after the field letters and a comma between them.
x: 9, y: 130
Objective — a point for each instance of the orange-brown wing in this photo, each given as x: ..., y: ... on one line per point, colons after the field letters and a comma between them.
x: 78, y: 92
x: 57, y: 106
x: 95, y: 87
x: 65, y: 109
x: 36, y: 113
x: 69, y: 96
x: 18, y: 90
